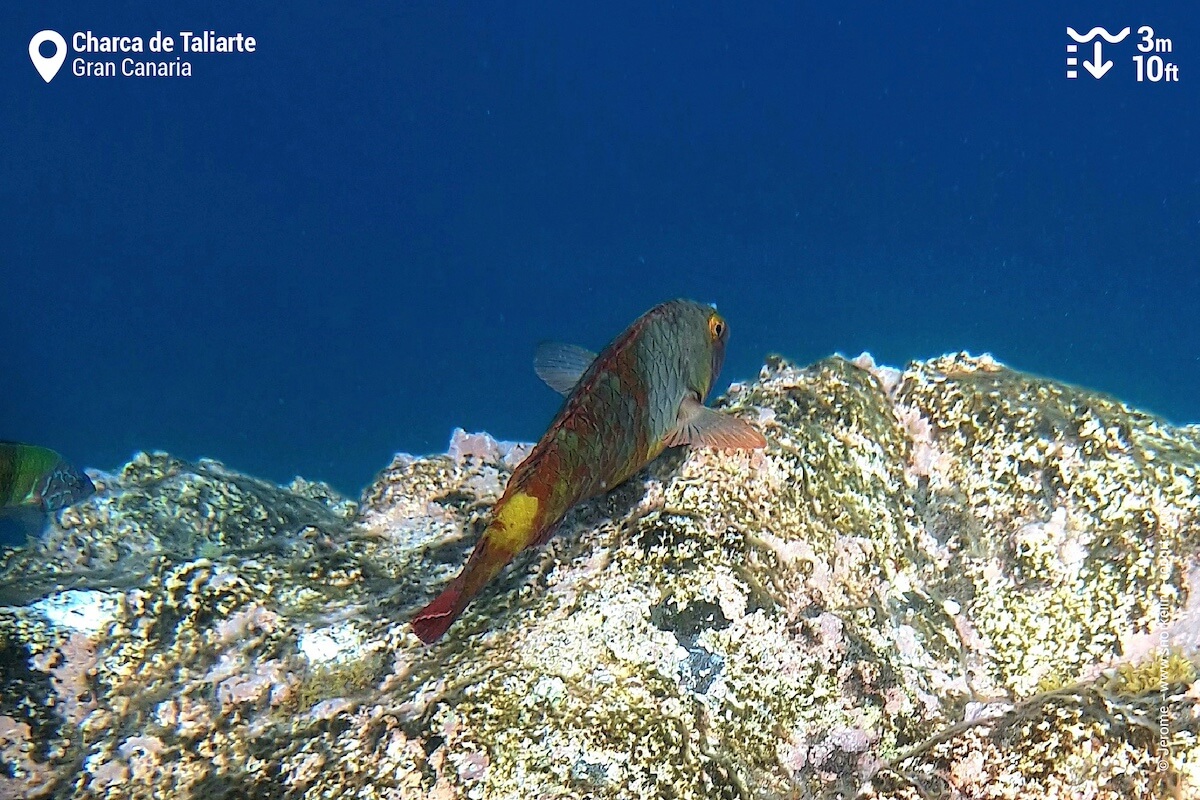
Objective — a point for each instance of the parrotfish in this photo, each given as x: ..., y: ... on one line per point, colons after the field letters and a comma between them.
x: 39, y: 478
x: 643, y: 393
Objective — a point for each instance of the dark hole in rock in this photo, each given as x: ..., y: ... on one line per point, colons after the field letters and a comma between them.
x: 698, y: 671
x: 685, y: 623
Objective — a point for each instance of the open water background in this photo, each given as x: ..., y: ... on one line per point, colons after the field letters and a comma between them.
x: 304, y: 259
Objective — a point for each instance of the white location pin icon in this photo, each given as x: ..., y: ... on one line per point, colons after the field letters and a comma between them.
x: 48, y: 67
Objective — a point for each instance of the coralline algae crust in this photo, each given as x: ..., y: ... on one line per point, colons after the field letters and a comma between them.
x: 950, y: 580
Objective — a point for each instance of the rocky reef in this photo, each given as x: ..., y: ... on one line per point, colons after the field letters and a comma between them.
x: 955, y: 580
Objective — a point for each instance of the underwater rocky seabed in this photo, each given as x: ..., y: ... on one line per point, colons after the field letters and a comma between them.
x: 953, y: 581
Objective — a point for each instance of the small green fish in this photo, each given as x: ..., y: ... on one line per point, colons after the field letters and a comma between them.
x: 39, y: 478
x: 644, y: 393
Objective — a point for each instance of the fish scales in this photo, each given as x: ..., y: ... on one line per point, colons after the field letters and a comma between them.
x: 644, y: 391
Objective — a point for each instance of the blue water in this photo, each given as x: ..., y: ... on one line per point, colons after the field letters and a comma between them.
x: 304, y: 259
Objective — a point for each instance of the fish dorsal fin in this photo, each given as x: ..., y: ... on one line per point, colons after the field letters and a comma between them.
x: 701, y: 425
x: 561, y: 365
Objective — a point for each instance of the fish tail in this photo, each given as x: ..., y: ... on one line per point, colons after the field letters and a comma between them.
x: 516, y: 523
x: 436, y: 618
x: 488, y: 558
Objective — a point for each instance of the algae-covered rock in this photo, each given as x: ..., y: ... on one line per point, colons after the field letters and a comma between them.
x: 955, y: 580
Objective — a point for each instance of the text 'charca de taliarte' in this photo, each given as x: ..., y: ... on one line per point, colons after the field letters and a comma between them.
x: 169, y: 54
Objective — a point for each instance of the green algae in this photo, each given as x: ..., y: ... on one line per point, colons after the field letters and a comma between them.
x: 347, y: 678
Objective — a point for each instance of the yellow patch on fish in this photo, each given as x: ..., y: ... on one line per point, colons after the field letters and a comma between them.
x: 516, y: 519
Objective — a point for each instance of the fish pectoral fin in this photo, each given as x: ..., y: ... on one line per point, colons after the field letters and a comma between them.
x: 561, y: 365
x: 703, y: 426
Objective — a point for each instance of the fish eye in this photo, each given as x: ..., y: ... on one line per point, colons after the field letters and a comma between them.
x: 716, y: 327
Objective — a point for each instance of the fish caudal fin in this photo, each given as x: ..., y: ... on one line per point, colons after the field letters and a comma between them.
x: 432, y: 621
x: 510, y: 532
x: 487, y: 559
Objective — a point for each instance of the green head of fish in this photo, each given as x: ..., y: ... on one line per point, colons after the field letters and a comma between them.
x: 703, y: 334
